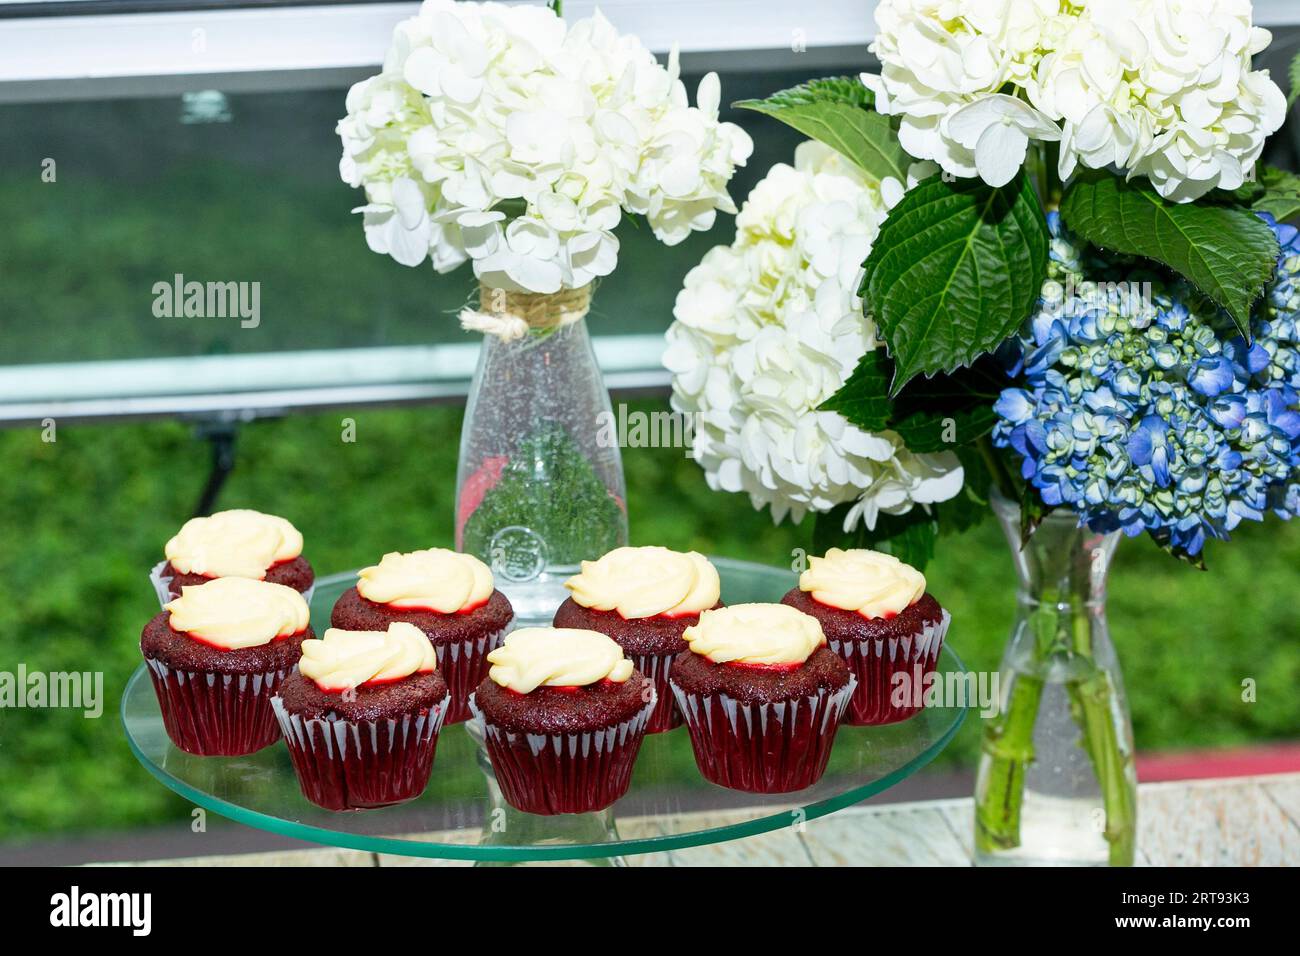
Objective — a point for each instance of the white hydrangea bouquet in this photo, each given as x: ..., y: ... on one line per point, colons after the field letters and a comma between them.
x: 846, y: 353
x: 502, y: 136
x: 1035, y: 262
x: 769, y: 327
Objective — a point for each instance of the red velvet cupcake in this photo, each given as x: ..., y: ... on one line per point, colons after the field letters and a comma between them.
x: 644, y: 598
x: 361, y: 716
x: 447, y: 595
x: 762, y: 697
x: 239, y: 544
x: 876, y: 614
x: 216, y: 655
x: 563, y: 714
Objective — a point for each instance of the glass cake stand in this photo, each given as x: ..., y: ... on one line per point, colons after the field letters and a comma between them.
x: 462, y: 815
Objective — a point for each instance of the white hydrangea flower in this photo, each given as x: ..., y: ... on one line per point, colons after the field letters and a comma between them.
x: 997, y: 130
x: 1157, y: 88
x: 770, y: 327
x: 938, y: 56
x: 1162, y: 89
x: 499, y: 135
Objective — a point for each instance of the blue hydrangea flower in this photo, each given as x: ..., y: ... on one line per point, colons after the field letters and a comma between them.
x: 1138, y: 405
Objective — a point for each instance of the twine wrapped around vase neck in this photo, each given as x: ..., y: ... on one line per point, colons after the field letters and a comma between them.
x: 512, y: 315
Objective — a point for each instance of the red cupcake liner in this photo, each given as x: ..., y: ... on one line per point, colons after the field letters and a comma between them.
x: 216, y: 715
x: 463, y: 665
x: 656, y: 668
x: 763, y: 747
x: 361, y: 764
x: 875, y: 662
x: 162, y: 586
x: 549, y: 774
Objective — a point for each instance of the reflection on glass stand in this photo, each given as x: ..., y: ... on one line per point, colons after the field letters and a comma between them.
x: 505, y: 826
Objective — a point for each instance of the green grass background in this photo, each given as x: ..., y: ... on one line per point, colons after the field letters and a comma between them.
x: 85, y: 517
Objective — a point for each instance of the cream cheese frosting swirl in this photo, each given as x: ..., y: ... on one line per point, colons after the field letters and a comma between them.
x: 234, y: 613
x: 758, y: 634
x: 645, y: 582
x: 239, y: 543
x: 342, y: 660
x: 434, y: 579
x: 869, y: 582
x: 533, y: 657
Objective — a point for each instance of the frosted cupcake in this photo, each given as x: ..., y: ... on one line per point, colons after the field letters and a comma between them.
x: 447, y: 595
x: 563, y: 715
x: 361, y: 716
x: 762, y: 696
x: 234, y: 544
x: 878, y: 617
x: 644, y: 598
x: 216, y: 655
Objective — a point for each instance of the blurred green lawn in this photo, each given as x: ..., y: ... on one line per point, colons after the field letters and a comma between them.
x: 85, y: 517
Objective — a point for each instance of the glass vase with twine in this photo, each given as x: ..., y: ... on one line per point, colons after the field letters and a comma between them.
x: 539, y: 484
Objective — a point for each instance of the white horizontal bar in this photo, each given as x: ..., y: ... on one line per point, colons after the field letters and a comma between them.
x: 230, y: 406
x: 315, y: 47
x: 309, y: 38
x: 201, y: 41
x: 247, y: 406
x: 234, y: 375
x: 190, y: 375
x: 41, y: 50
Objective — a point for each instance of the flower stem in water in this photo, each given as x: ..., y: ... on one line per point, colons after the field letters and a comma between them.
x: 1009, y: 744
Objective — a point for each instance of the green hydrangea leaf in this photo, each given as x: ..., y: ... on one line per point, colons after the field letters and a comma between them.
x: 942, y: 429
x: 848, y: 90
x: 956, y: 269
x: 949, y: 410
x: 970, y: 506
x: 838, y: 111
x: 1274, y: 191
x: 930, y: 415
x: 1227, y: 252
x: 864, y: 397
x: 1295, y: 81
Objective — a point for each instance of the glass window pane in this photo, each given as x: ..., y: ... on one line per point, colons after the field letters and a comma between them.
x: 110, y: 198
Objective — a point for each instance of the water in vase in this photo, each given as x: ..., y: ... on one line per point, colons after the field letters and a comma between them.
x: 1062, y: 816
x: 1056, y: 782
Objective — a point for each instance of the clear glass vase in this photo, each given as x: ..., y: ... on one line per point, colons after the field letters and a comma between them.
x: 1056, y: 782
x: 539, y: 485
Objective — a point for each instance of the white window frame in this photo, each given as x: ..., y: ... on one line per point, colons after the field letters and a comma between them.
x: 259, y: 49
x: 111, y: 56
x: 242, y: 387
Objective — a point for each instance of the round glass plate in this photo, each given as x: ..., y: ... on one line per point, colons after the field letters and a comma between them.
x: 461, y: 814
